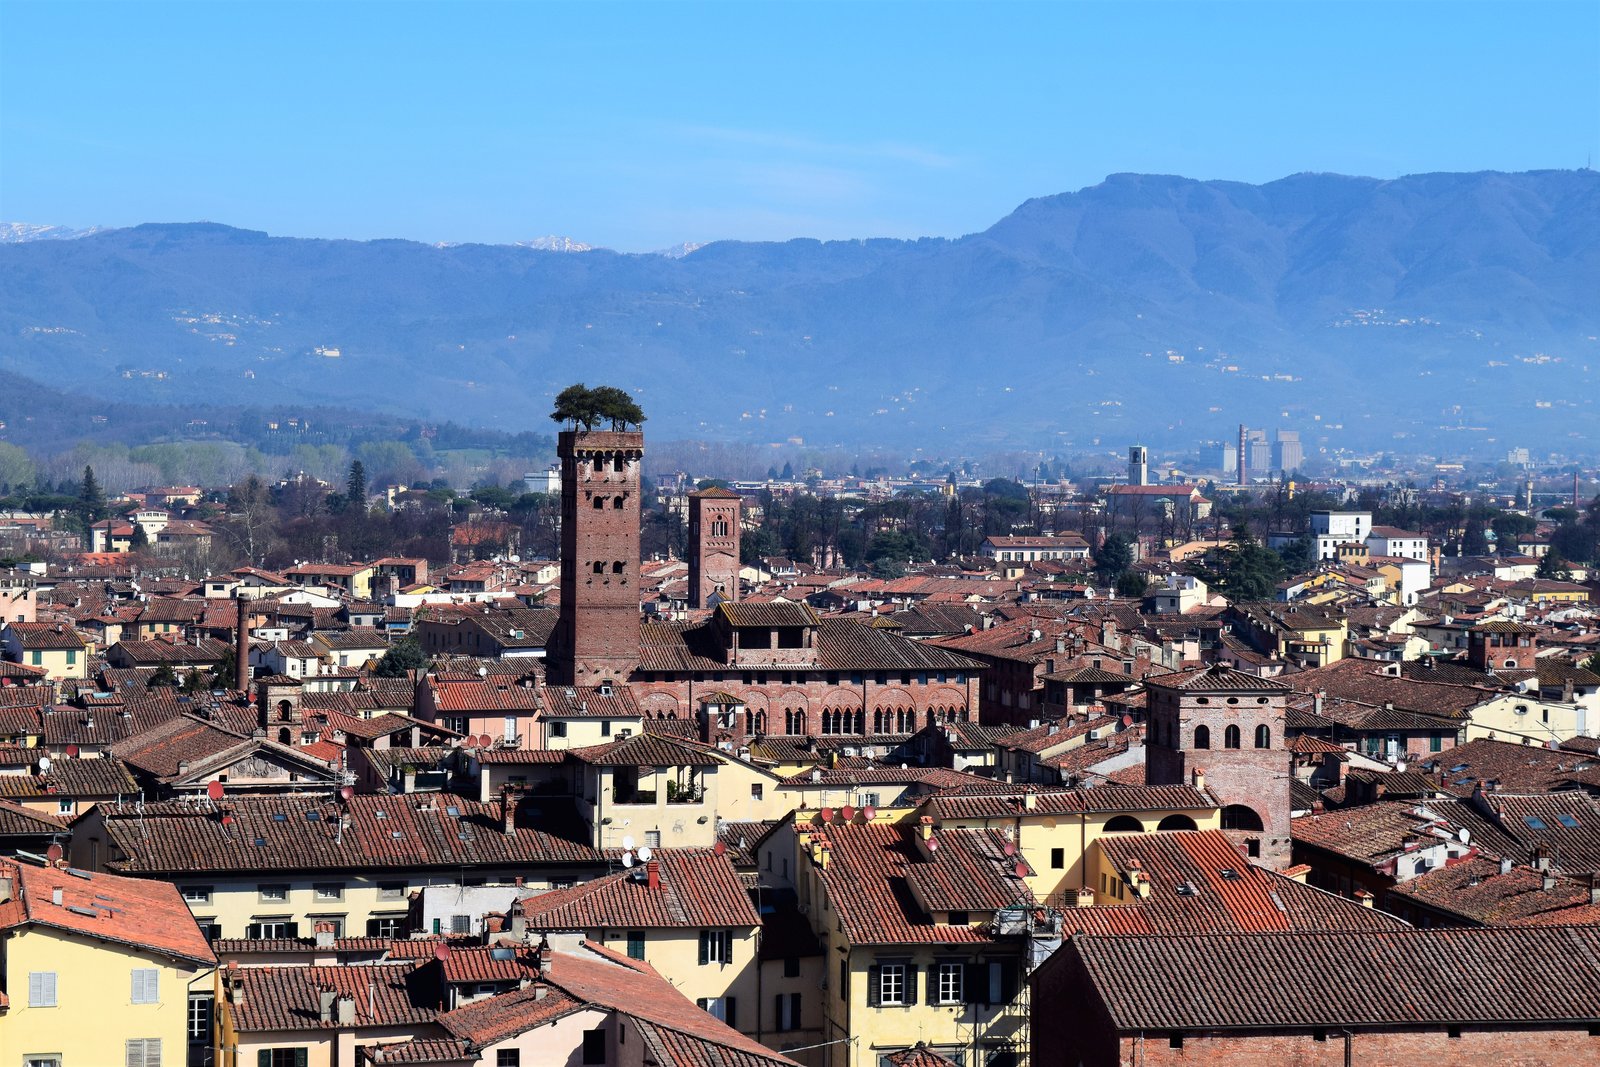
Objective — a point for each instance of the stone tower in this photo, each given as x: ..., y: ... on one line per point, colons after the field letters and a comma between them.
x: 596, y: 638
x: 1228, y: 726
x: 713, y: 547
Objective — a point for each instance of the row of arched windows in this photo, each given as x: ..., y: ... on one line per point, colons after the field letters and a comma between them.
x: 884, y: 720
x: 599, y: 566
x: 1231, y: 737
x: 840, y: 721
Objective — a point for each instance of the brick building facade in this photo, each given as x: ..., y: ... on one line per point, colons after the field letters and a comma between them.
x: 713, y: 547
x: 596, y: 638
x: 1228, y: 726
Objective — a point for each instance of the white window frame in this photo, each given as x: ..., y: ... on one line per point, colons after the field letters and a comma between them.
x: 892, y: 976
x: 951, y: 978
x: 196, y: 894
x: 328, y: 891
x: 146, y: 985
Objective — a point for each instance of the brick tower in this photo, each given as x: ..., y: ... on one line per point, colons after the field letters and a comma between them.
x: 596, y: 638
x: 1227, y: 725
x: 713, y: 547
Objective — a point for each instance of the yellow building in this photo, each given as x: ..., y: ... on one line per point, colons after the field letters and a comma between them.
x: 98, y: 970
x: 1055, y: 830
x: 61, y: 651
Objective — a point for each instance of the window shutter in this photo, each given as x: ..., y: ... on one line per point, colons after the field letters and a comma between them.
x: 133, y: 1054
x: 974, y: 983
x: 253, y: 930
x: 264, y: 1057
x: 727, y: 946
x: 874, y: 978
x: 729, y: 1011
x: 778, y: 1021
x: 705, y: 947
x: 41, y: 989
x: 912, y: 970
x: 794, y: 1011
x: 300, y: 1057
x: 932, y: 991
x: 293, y: 931
x: 1008, y: 982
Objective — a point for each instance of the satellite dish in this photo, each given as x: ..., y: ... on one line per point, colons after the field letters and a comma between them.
x: 441, y: 951
x: 227, y: 820
x: 627, y: 842
x: 847, y: 812
x: 53, y: 852
x: 645, y: 853
x: 1400, y: 768
x: 214, y: 789
x: 483, y: 672
x: 827, y: 814
x: 485, y: 741
x: 627, y: 859
x: 72, y: 751
x: 1021, y: 869
x: 720, y: 848
x: 347, y: 792
x: 869, y: 812
x: 933, y: 844
x: 1010, y: 848
x: 1464, y: 835
x: 44, y: 764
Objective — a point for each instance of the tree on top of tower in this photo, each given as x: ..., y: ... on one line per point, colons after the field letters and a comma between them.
x: 578, y: 405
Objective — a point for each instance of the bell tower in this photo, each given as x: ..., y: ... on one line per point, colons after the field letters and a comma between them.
x: 596, y: 639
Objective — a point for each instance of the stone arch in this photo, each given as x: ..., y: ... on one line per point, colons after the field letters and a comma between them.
x: 1124, y: 824
x: 659, y: 705
x: 1177, y: 822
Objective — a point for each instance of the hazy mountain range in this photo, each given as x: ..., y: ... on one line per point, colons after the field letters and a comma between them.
x: 1447, y: 307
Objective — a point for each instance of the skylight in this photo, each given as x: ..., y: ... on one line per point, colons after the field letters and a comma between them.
x: 1535, y: 823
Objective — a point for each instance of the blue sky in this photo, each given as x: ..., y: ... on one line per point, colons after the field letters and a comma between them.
x: 637, y: 127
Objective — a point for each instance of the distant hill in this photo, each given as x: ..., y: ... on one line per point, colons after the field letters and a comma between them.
x: 1146, y: 307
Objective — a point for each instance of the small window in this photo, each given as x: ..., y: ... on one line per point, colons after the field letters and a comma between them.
x: 200, y: 1011
x: 508, y: 1057
x: 616, y: 503
x: 146, y: 985
x: 1263, y: 736
x: 1058, y: 859
x: 41, y: 989
x: 276, y: 894
x: 951, y: 988
x: 1202, y: 737
x: 391, y: 890
x: 791, y: 966
x: 716, y: 946
x: 328, y: 890
x: 461, y: 924
x: 755, y: 790
x: 599, y: 502
x: 143, y: 1052
x: 594, y: 1046
x: 892, y: 984
x: 1230, y: 737
x: 1174, y: 1040
x: 616, y: 567
x: 636, y: 944
x: 197, y: 894
x: 598, y: 567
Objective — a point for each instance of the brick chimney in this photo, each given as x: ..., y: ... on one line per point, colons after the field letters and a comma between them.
x: 324, y: 932
x: 546, y: 957
x: 241, y: 645
x: 508, y: 812
x: 1199, y: 776
x: 234, y: 983
x: 652, y: 874
x: 1085, y: 897
x: 1364, y: 898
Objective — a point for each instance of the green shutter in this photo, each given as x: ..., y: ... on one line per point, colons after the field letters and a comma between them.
x: 912, y: 970
x: 264, y: 1057
x: 705, y: 947
x: 874, y: 977
x: 300, y: 1057
x: 730, y: 1011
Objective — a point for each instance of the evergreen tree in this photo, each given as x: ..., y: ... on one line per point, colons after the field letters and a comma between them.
x: 404, y: 655
x: 91, y: 499
x: 356, y: 487
x: 1473, y: 540
x: 140, y: 540
x: 1113, y: 557
x: 1133, y: 584
x: 162, y: 677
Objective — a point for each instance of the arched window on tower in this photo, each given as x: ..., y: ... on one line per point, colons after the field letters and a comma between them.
x: 1263, y: 736
x: 616, y: 503
x: 1202, y: 737
x: 1230, y: 737
x: 599, y: 502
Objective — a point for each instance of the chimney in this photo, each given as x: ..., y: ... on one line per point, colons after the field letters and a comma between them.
x: 344, y: 1008
x: 7, y: 885
x: 925, y: 826
x: 241, y: 645
x: 1594, y: 890
x: 55, y: 896
x: 324, y: 933
x: 325, y: 998
x: 1548, y: 882
x: 1364, y: 898
x: 1316, y: 702
x: 235, y: 984
x: 1030, y: 800
x: 1199, y: 775
x: 1541, y: 856
x: 546, y: 957
x: 652, y: 874
x: 508, y: 812
x: 1085, y: 897
x: 1505, y: 865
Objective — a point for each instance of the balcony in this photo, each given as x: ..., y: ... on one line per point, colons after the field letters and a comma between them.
x: 634, y: 796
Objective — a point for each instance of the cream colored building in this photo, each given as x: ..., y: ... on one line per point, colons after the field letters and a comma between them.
x: 98, y: 970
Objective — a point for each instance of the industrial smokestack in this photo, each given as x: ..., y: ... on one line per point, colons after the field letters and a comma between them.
x: 1244, y: 458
